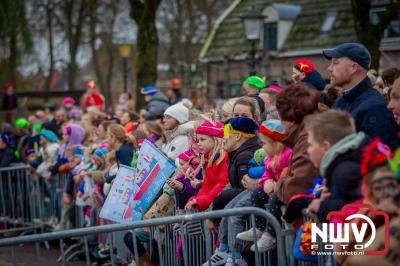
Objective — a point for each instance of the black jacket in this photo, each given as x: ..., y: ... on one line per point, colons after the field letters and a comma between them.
x: 342, y: 173
x: 238, y: 161
x: 369, y: 109
x: 6, y: 157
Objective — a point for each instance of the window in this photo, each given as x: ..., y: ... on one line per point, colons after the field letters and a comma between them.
x: 393, y: 30
x: 328, y: 23
x: 270, y: 36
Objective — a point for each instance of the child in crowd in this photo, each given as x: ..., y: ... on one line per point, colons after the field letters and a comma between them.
x: 49, y: 151
x: 210, y: 141
x: 337, y: 153
x: 271, y: 135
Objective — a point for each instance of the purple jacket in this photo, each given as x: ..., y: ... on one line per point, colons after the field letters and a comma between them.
x: 188, y: 190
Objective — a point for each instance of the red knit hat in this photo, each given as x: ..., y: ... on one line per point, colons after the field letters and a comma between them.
x: 212, y: 129
x: 304, y: 65
x: 186, y: 155
x: 8, y: 86
x: 273, y: 129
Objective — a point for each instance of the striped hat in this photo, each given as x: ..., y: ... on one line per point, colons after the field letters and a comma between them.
x: 273, y: 129
x: 101, y: 152
x: 211, y: 128
x: 186, y: 155
x: 149, y: 90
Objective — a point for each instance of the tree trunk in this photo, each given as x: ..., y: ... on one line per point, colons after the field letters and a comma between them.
x: 144, y: 15
x: 49, y: 14
x: 371, y: 34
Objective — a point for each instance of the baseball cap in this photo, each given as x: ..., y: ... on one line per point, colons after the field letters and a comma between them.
x: 354, y: 51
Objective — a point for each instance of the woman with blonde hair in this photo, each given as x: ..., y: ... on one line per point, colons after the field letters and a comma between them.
x: 123, y: 145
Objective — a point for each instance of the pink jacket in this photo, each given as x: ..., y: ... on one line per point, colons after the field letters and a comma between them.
x: 270, y: 172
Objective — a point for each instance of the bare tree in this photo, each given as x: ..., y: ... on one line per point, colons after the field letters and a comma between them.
x: 368, y: 33
x: 144, y: 13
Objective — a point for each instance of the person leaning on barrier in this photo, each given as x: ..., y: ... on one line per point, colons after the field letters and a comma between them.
x: 6, y: 150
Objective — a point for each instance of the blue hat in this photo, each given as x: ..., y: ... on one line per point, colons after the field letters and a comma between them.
x: 149, y: 90
x: 242, y: 124
x: 49, y: 135
x: 5, y: 138
x: 101, y: 152
x: 354, y: 51
x: 78, y: 152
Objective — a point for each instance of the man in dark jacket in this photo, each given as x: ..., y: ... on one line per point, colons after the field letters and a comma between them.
x: 337, y: 154
x: 241, y: 143
x: 6, y: 152
x: 157, y: 103
x: 348, y: 69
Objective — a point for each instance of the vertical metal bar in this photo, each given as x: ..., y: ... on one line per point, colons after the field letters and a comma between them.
x: 253, y: 225
x: 158, y: 239
x: 86, y: 251
x: 208, y: 245
x: 11, y: 196
x: 135, y: 247
x: 2, y: 198
x: 112, y: 249
x: 37, y: 252
x: 62, y: 252
x: 183, y: 233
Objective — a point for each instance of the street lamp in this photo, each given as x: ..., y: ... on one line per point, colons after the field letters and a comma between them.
x: 252, y: 23
x: 125, y: 52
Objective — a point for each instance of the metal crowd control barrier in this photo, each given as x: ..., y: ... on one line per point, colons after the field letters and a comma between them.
x: 193, y: 254
x: 323, y: 260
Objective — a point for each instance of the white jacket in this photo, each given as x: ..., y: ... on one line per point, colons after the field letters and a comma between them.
x: 177, y: 141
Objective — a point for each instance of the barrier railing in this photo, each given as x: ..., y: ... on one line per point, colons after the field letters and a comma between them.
x: 163, y: 245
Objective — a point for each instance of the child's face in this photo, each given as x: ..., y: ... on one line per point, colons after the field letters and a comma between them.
x: 268, y: 145
x: 205, y: 143
x: 101, y: 132
x: 65, y: 136
x: 315, y: 150
x: 384, y: 185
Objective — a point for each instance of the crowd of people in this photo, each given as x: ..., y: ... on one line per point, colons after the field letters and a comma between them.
x: 308, y: 145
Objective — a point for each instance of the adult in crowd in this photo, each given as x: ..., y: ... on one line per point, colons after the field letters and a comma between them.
x: 293, y: 104
x: 394, y: 103
x: 350, y: 63
x: 9, y: 103
x: 176, y: 130
x: 268, y: 95
x: 388, y: 77
x: 93, y: 97
x: 240, y: 142
x: 174, y: 94
x: 122, y: 144
x: 130, y: 121
x: 157, y: 103
x: 56, y: 124
x: 305, y: 71
x: 252, y: 87
x: 6, y: 150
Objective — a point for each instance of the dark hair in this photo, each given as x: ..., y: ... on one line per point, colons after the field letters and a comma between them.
x: 133, y: 116
x: 390, y: 75
x: 297, y: 101
x: 329, y: 95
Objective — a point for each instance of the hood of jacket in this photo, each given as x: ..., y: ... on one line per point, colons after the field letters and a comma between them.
x: 184, y: 129
x: 349, y: 147
x: 160, y: 97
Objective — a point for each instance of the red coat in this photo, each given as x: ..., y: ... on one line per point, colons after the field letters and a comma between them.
x: 215, y: 180
x: 95, y: 99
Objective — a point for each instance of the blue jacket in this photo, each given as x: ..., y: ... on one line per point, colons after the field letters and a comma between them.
x: 368, y: 108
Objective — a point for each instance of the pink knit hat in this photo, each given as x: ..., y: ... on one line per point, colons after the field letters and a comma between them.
x: 274, y: 87
x: 69, y: 100
x: 186, y: 155
x: 212, y: 129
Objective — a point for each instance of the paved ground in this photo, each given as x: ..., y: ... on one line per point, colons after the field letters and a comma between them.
x: 25, y: 256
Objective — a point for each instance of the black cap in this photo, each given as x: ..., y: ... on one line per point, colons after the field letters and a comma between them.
x: 354, y: 51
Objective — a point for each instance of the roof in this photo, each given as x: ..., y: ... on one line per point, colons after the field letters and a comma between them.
x: 286, y: 11
x: 228, y: 38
